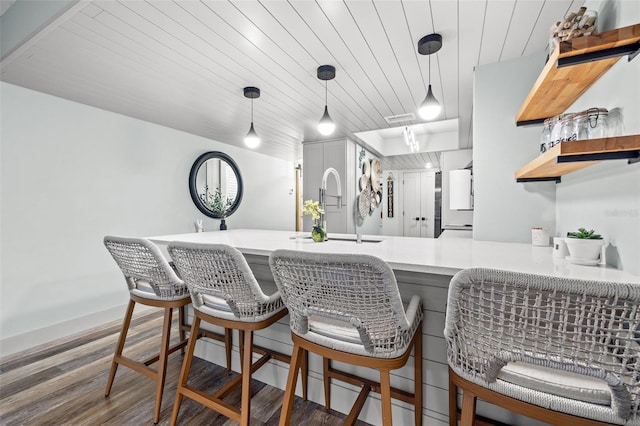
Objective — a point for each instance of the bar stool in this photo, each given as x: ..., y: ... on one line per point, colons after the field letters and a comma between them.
x: 225, y: 293
x: 151, y: 282
x: 347, y: 308
x: 559, y: 350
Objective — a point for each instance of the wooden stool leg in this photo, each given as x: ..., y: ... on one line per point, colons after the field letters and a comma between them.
x: 468, y: 409
x: 245, y: 404
x: 228, y: 346
x: 417, y: 379
x: 326, y: 364
x: 182, y: 318
x: 290, y: 390
x: 120, y: 347
x: 453, y: 402
x: 305, y: 374
x: 186, y: 366
x: 162, y: 361
x: 385, y: 397
x: 241, y: 347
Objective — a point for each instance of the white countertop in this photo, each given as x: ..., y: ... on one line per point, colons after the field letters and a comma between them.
x: 455, y: 233
x: 436, y: 256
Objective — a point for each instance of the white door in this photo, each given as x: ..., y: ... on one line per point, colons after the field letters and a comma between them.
x: 419, y: 204
x: 411, y: 204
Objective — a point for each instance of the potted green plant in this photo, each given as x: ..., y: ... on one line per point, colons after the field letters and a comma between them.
x: 584, y: 246
x: 313, y: 209
x: 217, y: 203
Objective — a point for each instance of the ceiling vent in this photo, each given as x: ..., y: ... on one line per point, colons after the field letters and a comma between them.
x: 400, y: 118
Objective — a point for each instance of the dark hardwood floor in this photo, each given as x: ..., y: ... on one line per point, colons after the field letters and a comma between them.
x: 64, y: 384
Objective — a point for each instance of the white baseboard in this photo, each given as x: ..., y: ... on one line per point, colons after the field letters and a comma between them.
x: 34, y: 338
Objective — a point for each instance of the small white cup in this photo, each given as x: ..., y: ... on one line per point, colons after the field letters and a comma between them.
x: 560, y: 249
x: 540, y: 237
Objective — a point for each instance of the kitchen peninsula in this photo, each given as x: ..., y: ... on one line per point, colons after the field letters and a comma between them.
x: 423, y: 266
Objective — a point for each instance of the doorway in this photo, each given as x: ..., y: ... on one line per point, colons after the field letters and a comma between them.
x: 419, y: 204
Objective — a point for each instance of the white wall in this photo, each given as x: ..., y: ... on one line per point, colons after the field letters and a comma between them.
x: 606, y: 197
x: 392, y: 226
x: 505, y: 210
x: 70, y: 175
x: 454, y: 160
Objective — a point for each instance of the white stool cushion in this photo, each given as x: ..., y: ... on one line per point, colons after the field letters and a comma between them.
x: 217, y: 307
x: 144, y: 289
x: 144, y: 286
x: 215, y: 302
x: 338, y: 330
x: 334, y: 329
x: 557, y: 382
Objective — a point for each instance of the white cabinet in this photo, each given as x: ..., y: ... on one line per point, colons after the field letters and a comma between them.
x: 460, y: 190
x: 317, y: 157
x: 419, y: 204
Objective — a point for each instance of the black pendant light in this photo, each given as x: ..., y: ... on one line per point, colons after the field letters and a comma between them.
x: 430, y: 108
x: 252, y: 140
x: 326, y: 126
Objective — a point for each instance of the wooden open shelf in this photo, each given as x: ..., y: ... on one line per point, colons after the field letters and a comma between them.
x: 550, y: 165
x: 557, y: 88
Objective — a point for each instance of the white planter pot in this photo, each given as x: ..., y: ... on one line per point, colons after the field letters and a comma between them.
x: 584, y: 249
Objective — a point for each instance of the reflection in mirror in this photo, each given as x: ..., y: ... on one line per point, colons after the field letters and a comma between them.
x: 215, y: 184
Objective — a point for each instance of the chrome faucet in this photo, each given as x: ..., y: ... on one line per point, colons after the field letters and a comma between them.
x: 323, y: 197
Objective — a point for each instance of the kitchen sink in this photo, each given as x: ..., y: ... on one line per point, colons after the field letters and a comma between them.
x: 345, y: 239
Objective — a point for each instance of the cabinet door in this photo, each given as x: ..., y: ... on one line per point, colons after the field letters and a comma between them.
x: 317, y: 158
x: 311, y: 176
x: 460, y: 190
x: 334, y: 155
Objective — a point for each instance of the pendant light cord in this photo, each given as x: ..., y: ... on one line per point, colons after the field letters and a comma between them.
x: 251, y: 110
x: 429, y: 68
x: 325, y: 93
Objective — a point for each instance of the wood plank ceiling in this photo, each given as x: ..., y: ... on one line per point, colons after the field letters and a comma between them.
x: 183, y: 64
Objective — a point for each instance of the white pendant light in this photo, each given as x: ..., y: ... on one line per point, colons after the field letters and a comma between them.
x: 430, y: 107
x: 326, y: 126
x: 252, y: 140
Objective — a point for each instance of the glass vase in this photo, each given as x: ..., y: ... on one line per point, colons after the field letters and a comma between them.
x: 318, y: 234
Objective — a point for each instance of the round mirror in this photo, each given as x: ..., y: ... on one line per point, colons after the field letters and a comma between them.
x: 215, y: 184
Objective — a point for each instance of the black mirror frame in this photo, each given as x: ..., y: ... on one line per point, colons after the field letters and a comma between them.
x: 193, y: 190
